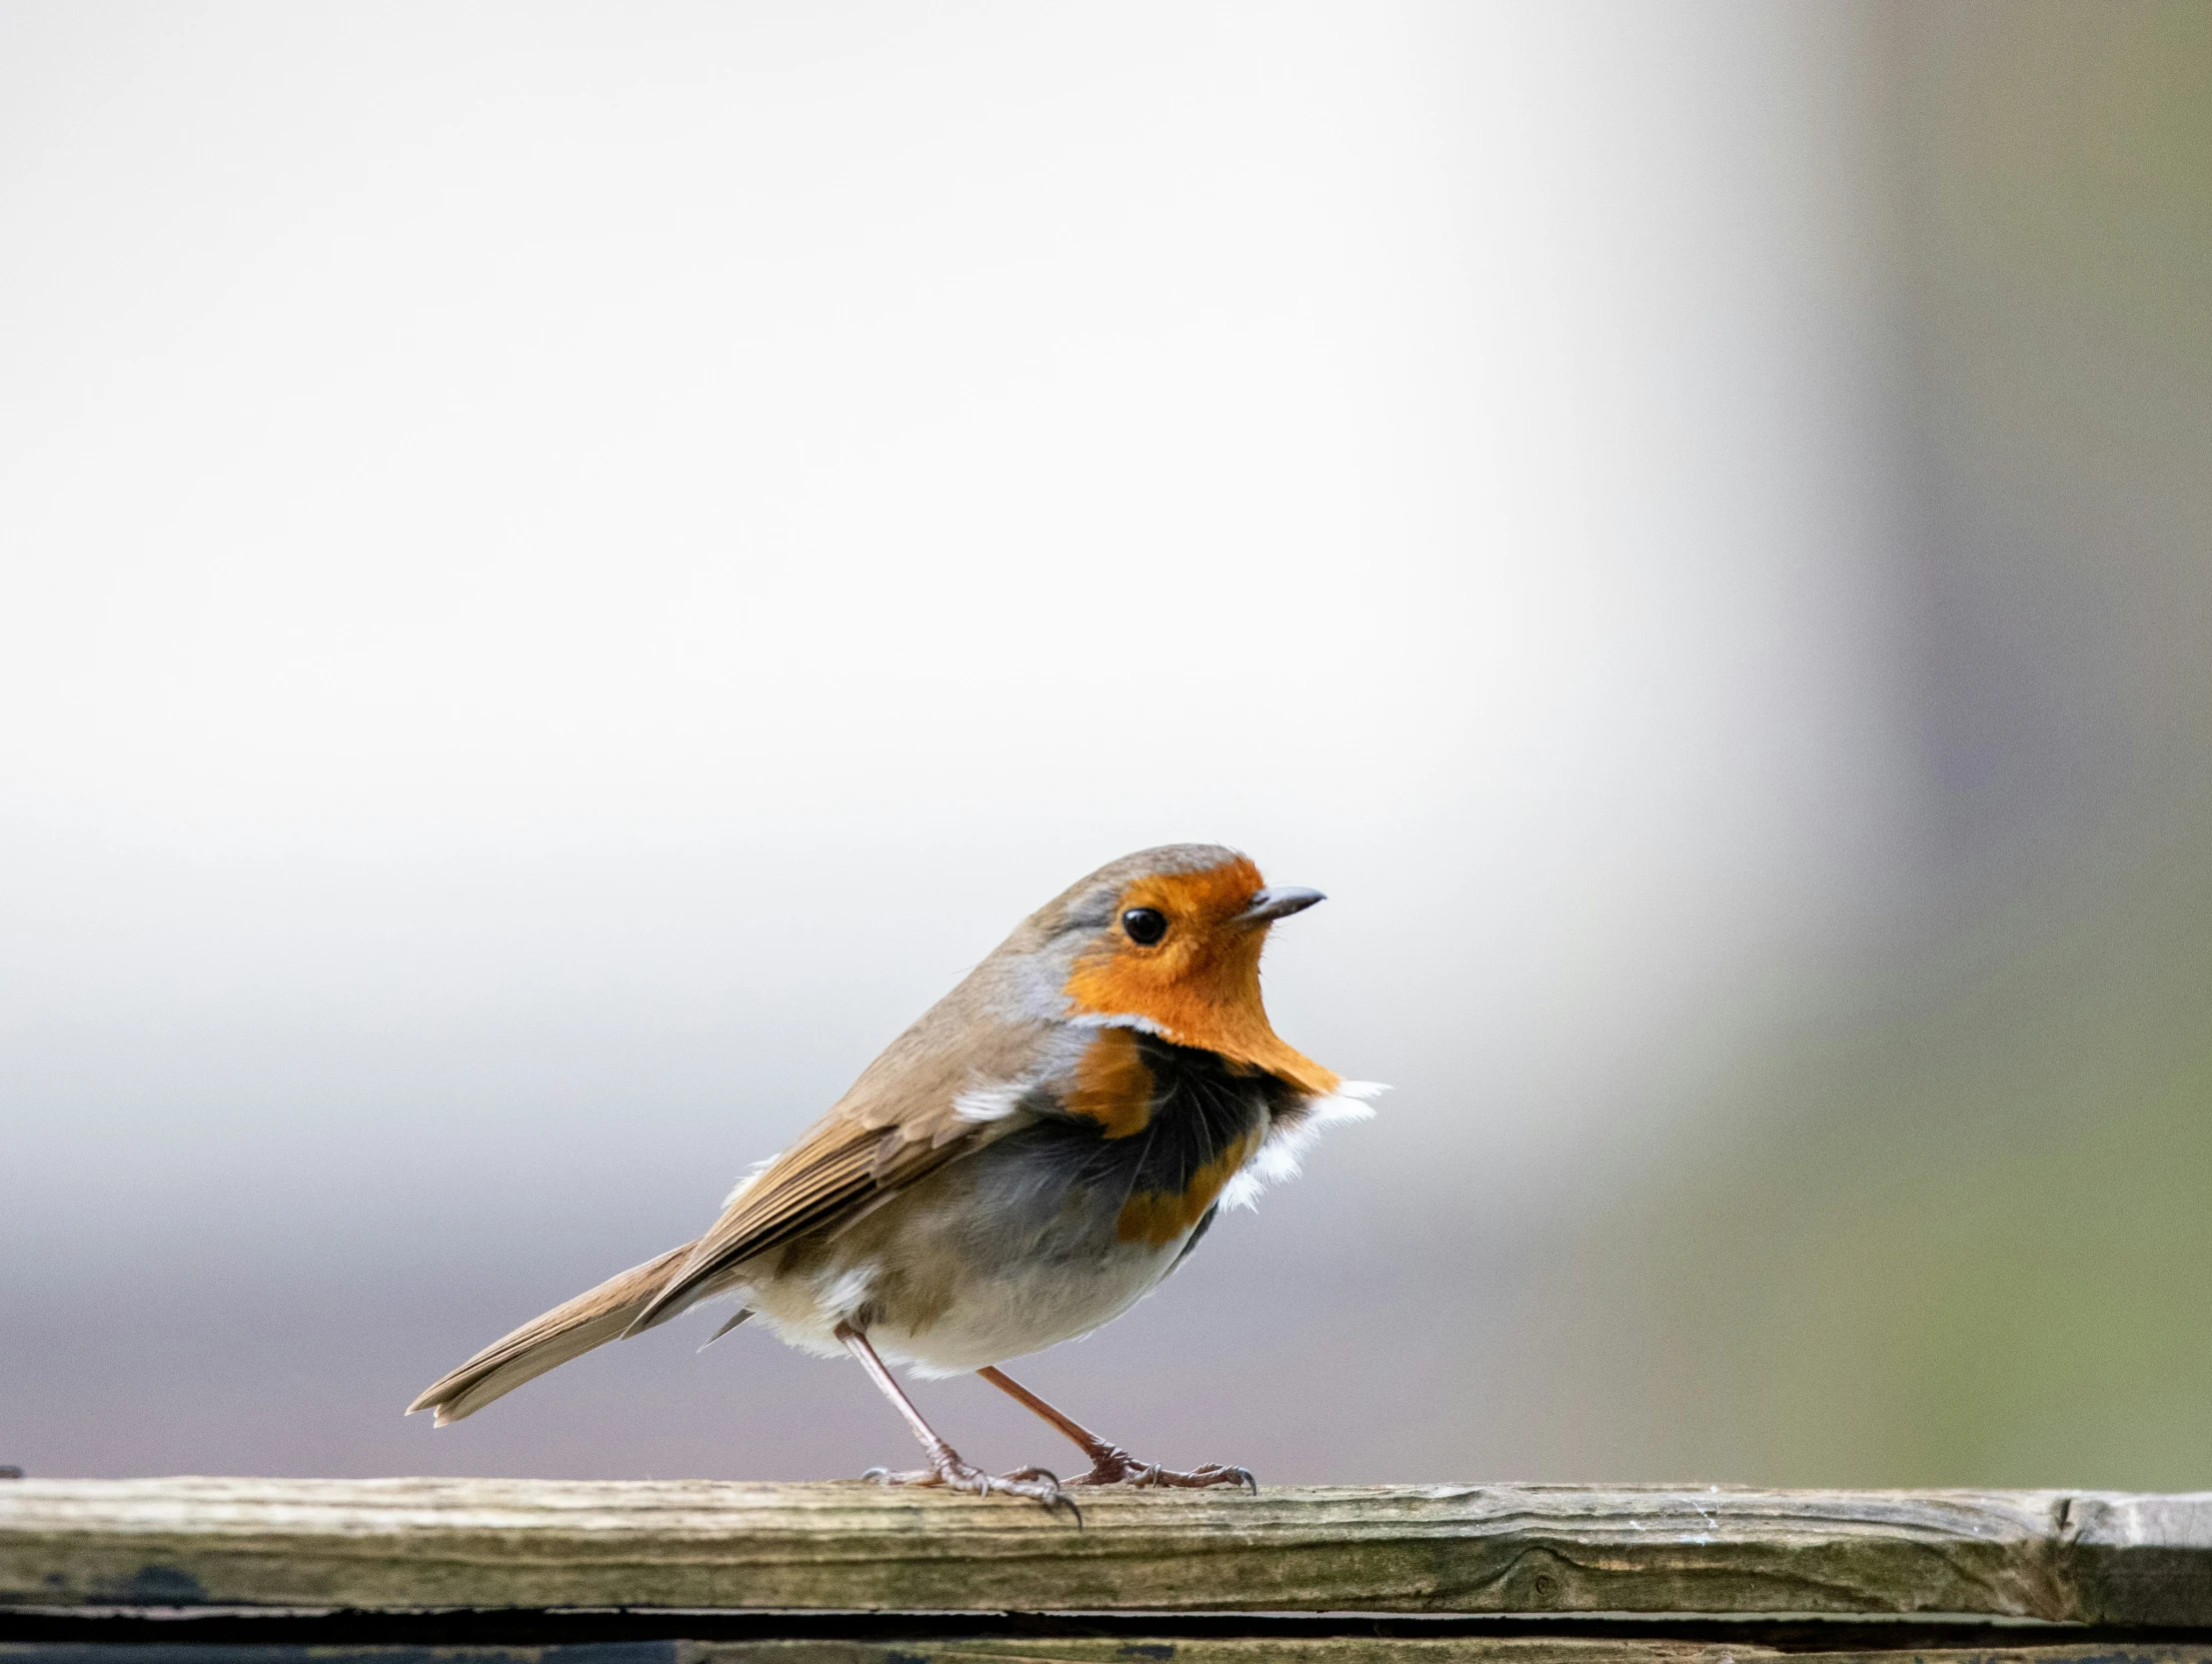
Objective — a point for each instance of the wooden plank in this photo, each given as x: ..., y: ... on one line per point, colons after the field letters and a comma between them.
x: 401, y: 1545
x: 2148, y: 1558
x: 1339, y: 1650
x: 1180, y: 1650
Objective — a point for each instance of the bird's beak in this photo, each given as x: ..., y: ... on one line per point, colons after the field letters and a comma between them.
x: 1278, y: 901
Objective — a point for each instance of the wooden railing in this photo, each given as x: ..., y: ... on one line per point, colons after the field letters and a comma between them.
x: 714, y: 1573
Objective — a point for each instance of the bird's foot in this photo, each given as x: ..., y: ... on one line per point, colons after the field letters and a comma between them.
x: 1111, y: 1465
x: 949, y: 1470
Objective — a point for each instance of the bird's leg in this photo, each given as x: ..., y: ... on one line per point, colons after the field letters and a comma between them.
x: 946, y: 1466
x: 1109, y: 1463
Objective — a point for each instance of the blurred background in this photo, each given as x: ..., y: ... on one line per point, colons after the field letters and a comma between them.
x: 564, y: 571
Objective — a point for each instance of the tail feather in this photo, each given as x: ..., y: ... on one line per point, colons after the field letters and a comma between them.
x: 593, y: 1318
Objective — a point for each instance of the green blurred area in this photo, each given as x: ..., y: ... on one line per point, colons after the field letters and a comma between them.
x: 1968, y: 1243
x: 1965, y: 1235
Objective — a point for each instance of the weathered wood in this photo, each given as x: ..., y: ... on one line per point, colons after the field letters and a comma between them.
x: 1395, y: 1650
x: 417, y: 1543
x: 1388, y: 1651
x: 991, y: 1650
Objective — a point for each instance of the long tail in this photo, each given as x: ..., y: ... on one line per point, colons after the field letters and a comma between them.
x: 593, y: 1318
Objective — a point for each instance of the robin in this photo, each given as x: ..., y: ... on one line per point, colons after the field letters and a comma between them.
x: 1027, y: 1161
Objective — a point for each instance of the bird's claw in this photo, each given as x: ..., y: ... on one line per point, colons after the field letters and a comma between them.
x: 1036, y: 1483
x: 1116, y: 1466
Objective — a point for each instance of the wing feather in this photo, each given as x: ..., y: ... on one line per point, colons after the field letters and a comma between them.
x: 835, y: 1172
x: 897, y: 1124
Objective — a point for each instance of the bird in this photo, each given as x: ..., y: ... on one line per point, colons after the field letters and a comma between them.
x: 1035, y: 1154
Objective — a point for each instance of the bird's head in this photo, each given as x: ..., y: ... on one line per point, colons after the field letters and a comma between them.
x: 1167, y: 940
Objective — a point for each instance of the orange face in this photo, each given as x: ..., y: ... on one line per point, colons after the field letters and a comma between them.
x: 1198, y: 980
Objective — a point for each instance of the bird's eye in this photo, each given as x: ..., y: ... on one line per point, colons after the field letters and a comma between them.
x: 1145, y: 925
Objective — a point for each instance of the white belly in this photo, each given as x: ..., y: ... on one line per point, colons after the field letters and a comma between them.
x: 1025, y: 1312
x: 933, y: 1290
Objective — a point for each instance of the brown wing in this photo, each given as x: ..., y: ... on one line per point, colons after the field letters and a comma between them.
x: 593, y: 1318
x: 898, y: 1123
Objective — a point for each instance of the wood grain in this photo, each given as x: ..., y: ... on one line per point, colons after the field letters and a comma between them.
x: 1180, y: 1650
x: 993, y: 1650
x: 396, y: 1544
x: 1335, y: 1650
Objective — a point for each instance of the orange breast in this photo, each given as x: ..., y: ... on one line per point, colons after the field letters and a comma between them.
x: 1112, y: 1085
x: 1157, y: 1217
